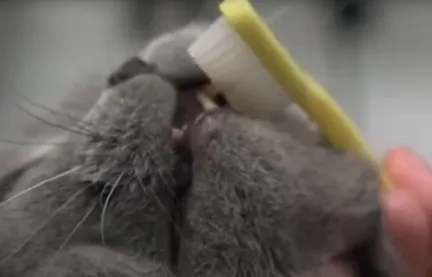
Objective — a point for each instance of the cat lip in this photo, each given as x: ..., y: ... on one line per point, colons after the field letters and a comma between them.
x: 194, y: 101
x: 191, y: 108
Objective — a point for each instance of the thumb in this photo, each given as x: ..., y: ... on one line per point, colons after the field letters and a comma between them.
x: 409, y: 207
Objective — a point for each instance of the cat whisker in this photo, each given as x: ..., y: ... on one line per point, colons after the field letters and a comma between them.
x: 102, y: 193
x: 51, y: 124
x: 55, y: 112
x: 171, y: 181
x: 30, y: 143
x: 74, y: 230
x: 105, y: 207
x: 41, y: 183
x: 177, y: 228
x: 43, y: 225
x: 161, y: 205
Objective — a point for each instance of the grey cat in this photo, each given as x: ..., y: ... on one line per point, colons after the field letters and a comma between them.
x: 237, y: 196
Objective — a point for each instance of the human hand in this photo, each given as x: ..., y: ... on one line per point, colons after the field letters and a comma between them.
x: 409, y: 208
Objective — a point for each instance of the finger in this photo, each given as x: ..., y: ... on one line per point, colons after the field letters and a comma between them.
x: 411, y: 173
x: 409, y: 225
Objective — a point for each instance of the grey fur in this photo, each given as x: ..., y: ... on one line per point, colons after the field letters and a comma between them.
x: 262, y: 200
x: 264, y: 203
x: 173, y: 46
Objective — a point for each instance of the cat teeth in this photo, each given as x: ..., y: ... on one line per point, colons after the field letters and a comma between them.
x: 177, y: 133
x: 210, y: 91
x: 207, y: 103
x: 198, y: 118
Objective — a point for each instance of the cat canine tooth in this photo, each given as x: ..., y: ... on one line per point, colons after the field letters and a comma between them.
x: 207, y: 103
x: 210, y: 91
x: 177, y: 133
x: 198, y: 118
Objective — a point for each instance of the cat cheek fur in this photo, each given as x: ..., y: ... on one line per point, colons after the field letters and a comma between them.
x: 110, y: 185
x: 262, y: 202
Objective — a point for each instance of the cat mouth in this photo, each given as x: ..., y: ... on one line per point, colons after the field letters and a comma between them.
x: 192, y: 104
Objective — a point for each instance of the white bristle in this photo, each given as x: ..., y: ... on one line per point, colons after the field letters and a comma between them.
x: 237, y: 72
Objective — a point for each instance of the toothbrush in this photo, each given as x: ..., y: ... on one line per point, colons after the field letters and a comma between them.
x: 243, y: 58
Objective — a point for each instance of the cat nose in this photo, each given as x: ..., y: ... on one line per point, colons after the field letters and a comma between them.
x: 130, y: 69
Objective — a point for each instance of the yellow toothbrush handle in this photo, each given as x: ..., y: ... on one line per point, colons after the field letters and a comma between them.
x: 302, y: 89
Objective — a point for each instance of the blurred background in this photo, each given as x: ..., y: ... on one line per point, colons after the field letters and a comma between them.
x: 373, y: 55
